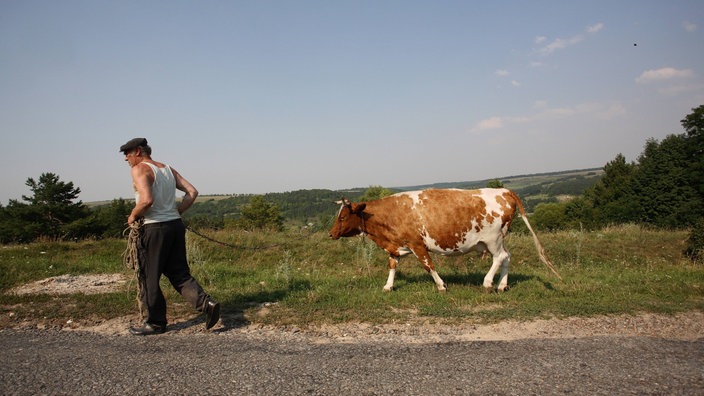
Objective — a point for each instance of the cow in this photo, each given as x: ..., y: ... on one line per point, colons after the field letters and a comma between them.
x: 443, y: 221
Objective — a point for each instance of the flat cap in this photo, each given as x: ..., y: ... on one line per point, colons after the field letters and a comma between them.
x: 132, y: 144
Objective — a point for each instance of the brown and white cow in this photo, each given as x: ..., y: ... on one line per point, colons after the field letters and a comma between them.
x: 448, y: 222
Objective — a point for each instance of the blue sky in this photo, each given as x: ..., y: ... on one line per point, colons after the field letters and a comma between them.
x: 271, y: 96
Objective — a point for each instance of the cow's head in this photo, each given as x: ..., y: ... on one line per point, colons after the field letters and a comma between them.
x: 350, y: 219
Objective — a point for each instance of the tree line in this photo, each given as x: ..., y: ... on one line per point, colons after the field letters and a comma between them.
x: 54, y: 212
x: 663, y: 188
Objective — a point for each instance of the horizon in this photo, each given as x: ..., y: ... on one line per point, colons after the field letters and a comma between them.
x: 362, y: 188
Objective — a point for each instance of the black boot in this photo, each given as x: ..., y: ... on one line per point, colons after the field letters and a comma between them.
x: 212, y: 313
x: 147, y: 329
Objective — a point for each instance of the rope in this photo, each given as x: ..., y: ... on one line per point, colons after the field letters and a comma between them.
x: 241, y: 247
x: 130, y: 259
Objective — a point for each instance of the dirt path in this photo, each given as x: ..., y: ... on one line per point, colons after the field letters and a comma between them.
x: 683, y: 326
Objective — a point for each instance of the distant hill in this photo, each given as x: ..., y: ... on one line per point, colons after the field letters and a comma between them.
x: 515, y: 182
x: 314, y: 205
x: 532, y: 188
x: 311, y: 205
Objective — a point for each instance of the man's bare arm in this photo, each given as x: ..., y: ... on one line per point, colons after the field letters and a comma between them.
x: 142, y: 178
x: 184, y: 185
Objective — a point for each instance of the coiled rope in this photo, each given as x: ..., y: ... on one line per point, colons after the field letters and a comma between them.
x: 130, y: 258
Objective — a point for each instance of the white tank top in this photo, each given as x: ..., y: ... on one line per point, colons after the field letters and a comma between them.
x: 164, y: 193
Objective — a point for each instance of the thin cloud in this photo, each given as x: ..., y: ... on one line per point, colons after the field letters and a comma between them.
x: 677, y: 89
x: 543, y: 112
x: 505, y: 73
x: 663, y: 74
x: 559, y: 44
x: 615, y: 110
x: 562, y: 43
x: 595, y: 28
x: 540, y: 104
x: 689, y: 26
x: 489, y: 123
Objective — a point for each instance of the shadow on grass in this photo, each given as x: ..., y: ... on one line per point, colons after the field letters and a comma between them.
x: 472, y: 279
x: 233, y: 310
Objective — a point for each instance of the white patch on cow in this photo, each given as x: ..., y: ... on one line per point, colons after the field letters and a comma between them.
x: 489, y: 196
x: 413, y: 195
x: 469, y: 241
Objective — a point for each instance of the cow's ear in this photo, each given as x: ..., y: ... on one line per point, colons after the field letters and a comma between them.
x: 358, y: 208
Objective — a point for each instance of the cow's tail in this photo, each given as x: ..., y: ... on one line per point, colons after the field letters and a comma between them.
x: 538, y: 245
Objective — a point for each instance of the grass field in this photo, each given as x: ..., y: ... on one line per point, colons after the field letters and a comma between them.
x: 309, y: 279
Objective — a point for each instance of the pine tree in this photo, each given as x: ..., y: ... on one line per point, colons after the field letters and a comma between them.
x: 52, y: 204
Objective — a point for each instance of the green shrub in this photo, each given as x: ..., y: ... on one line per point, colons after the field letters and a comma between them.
x: 695, y: 242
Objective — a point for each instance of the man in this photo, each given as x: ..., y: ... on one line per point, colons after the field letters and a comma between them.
x: 162, y: 243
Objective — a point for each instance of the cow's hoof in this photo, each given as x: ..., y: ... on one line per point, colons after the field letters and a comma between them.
x: 505, y: 289
x: 388, y: 289
x: 488, y: 290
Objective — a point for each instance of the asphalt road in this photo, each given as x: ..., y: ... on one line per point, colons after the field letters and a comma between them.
x: 66, y: 362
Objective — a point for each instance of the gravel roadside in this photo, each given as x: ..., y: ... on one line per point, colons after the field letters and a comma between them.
x: 605, y: 355
x: 226, y: 362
